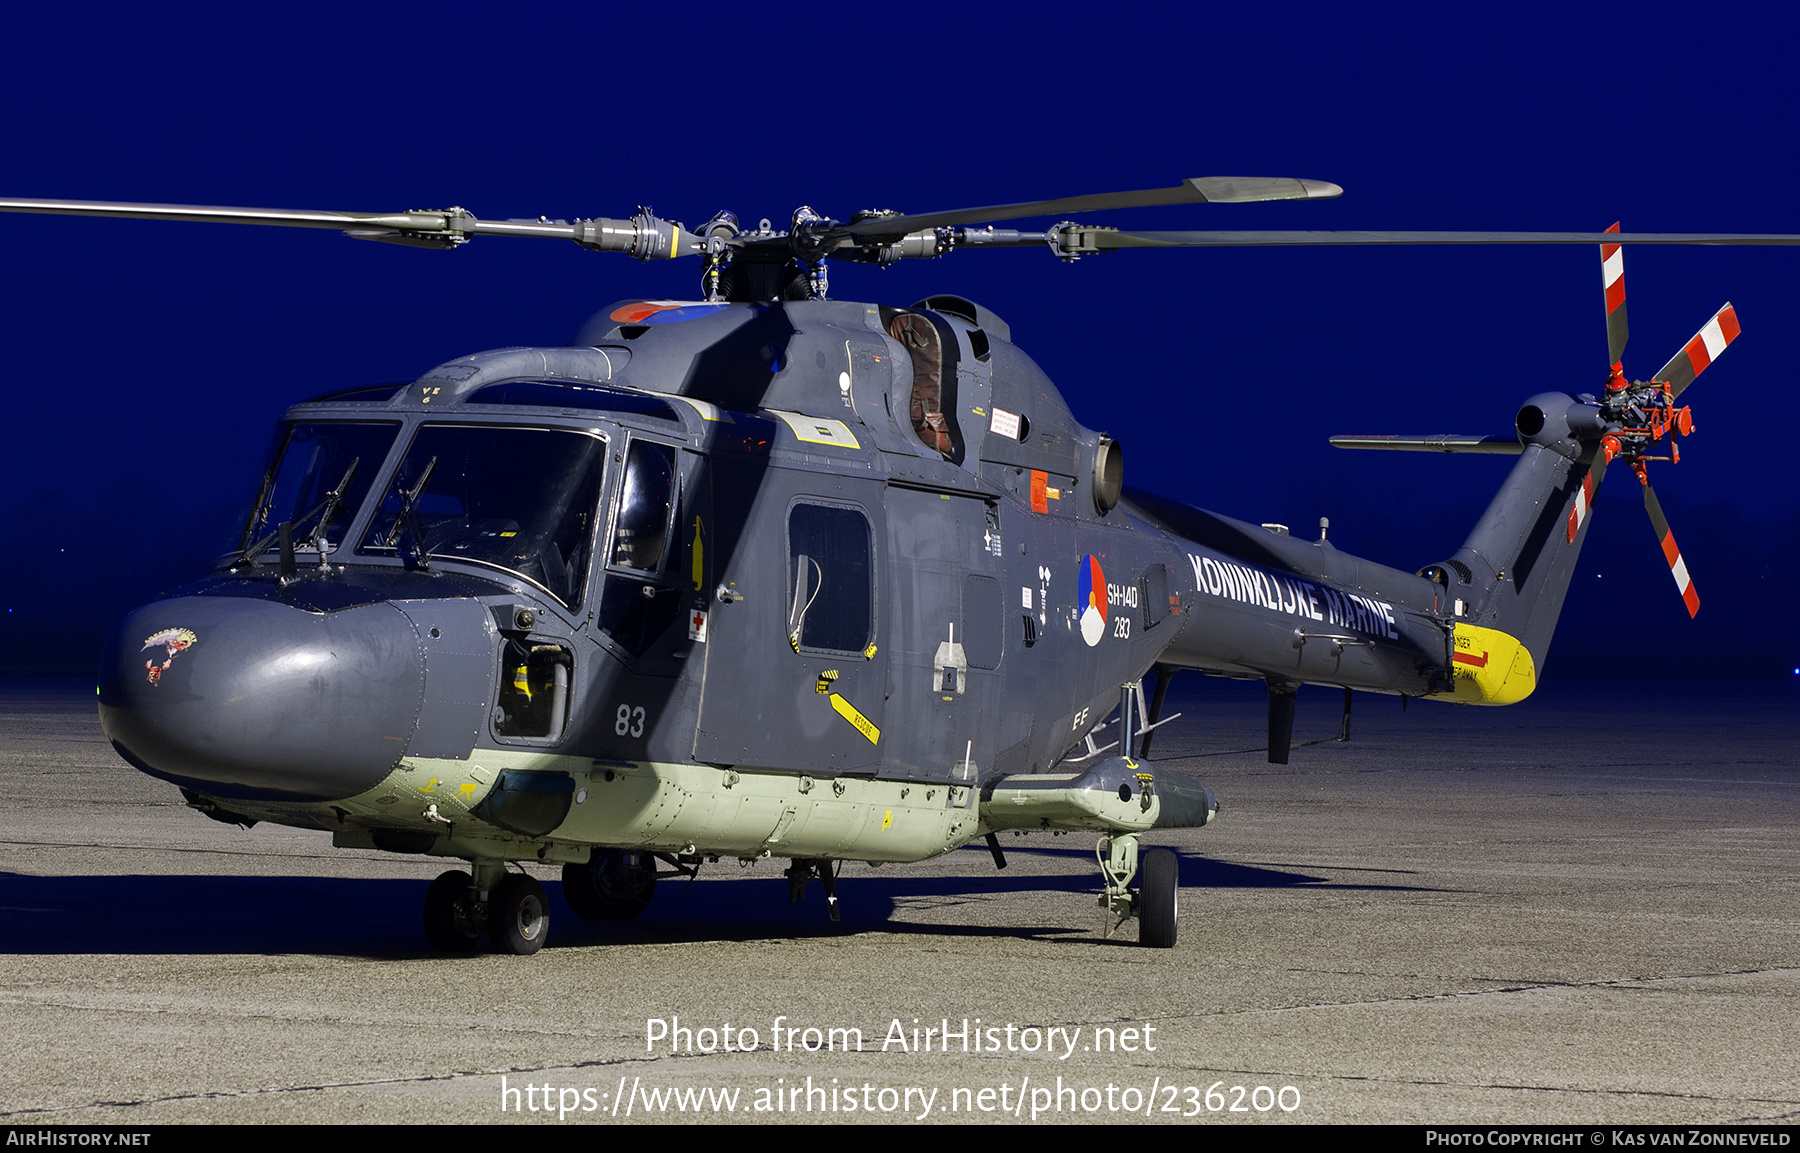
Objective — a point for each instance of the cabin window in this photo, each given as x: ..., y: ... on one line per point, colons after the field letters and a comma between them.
x: 831, y: 579
x: 983, y: 620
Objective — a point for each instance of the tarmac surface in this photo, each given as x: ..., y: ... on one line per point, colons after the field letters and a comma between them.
x: 1582, y: 909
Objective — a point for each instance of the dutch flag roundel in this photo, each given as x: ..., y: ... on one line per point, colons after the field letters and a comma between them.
x: 1093, y: 601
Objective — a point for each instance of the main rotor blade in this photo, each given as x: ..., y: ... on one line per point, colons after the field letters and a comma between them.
x: 642, y: 236
x: 1195, y: 190
x: 1712, y: 339
x: 1107, y: 239
x: 1671, y: 551
x: 215, y: 214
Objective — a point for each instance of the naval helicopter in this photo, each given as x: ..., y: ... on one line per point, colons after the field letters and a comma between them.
x: 768, y: 574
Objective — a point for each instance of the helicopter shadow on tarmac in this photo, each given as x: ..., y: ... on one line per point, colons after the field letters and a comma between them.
x: 140, y: 914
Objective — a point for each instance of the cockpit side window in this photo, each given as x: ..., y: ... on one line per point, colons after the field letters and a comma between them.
x: 640, y: 603
x: 641, y: 534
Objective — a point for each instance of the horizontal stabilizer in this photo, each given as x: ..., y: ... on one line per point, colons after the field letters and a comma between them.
x: 1442, y: 442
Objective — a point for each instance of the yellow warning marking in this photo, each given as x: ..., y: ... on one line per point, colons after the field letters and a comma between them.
x: 429, y: 786
x: 818, y: 430
x: 868, y: 653
x: 699, y: 553
x: 466, y: 790
x: 848, y: 711
x: 887, y: 819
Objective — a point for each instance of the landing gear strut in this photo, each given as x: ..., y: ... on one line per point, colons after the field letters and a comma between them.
x: 1154, y: 901
x: 801, y: 873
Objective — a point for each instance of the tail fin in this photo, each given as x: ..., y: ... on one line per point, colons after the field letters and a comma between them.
x: 1516, y: 565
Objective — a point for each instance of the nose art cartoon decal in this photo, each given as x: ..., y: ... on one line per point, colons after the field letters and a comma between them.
x: 175, y: 640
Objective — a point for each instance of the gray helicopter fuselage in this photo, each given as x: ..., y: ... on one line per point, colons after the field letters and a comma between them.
x: 765, y: 576
x: 782, y: 590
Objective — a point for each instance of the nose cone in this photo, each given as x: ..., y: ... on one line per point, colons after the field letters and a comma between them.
x: 254, y: 699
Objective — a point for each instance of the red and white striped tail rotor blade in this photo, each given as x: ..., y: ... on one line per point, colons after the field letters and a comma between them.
x: 1612, y: 276
x: 1583, y: 504
x: 1671, y: 551
x: 1701, y: 351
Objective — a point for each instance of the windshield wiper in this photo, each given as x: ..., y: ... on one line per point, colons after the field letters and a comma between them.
x: 332, y: 500
x: 328, y: 507
x: 408, y: 512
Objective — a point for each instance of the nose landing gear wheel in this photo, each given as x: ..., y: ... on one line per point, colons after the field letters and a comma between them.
x: 1161, y: 875
x: 452, y: 918
x: 518, y: 915
x: 615, y: 886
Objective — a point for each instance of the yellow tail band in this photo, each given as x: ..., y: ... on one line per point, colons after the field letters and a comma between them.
x: 1488, y: 667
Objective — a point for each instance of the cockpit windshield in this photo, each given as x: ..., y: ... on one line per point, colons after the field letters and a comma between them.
x: 310, y: 463
x: 522, y: 499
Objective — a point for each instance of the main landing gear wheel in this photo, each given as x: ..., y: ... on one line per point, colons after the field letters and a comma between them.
x: 518, y: 915
x: 616, y: 885
x: 452, y: 917
x: 1161, y: 873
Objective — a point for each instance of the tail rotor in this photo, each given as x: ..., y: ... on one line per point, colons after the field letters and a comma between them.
x: 1639, y: 415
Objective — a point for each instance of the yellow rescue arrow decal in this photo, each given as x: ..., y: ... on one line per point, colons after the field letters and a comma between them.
x: 863, y: 725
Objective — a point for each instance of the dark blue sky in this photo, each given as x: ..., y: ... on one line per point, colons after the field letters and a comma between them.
x: 147, y: 362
